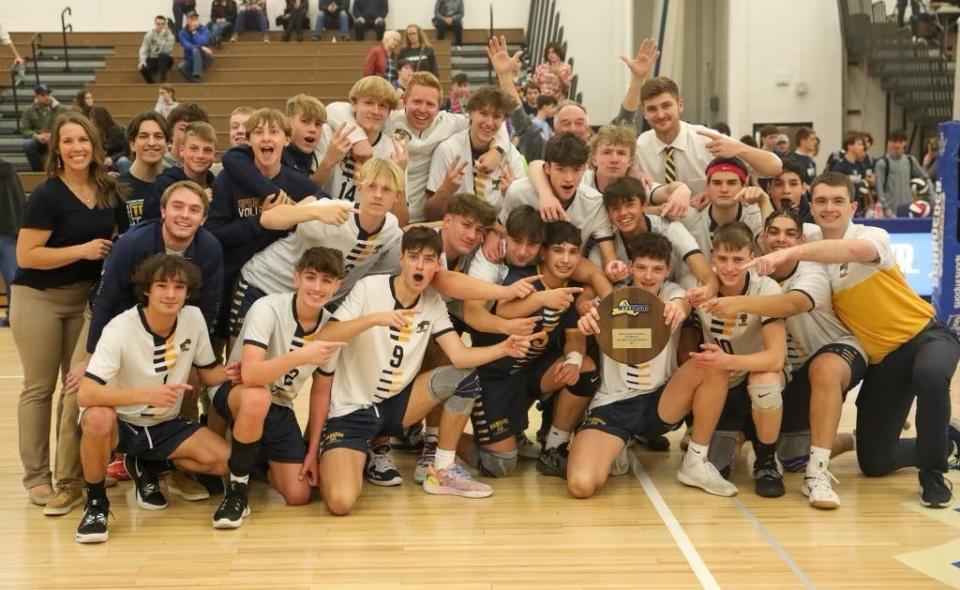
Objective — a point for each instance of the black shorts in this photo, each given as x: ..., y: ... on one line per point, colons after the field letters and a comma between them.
x: 356, y: 429
x: 626, y: 417
x: 796, y: 395
x: 282, y: 440
x: 157, y: 442
x: 243, y: 297
x: 737, y: 415
x: 501, y: 410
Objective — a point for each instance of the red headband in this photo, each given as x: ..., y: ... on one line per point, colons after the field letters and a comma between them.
x: 728, y: 167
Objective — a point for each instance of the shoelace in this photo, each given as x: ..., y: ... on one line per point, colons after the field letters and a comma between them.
x: 822, y: 479
x: 383, y: 462
x: 234, y: 501
x: 428, y: 455
x: 148, y: 489
x: 95, y: 514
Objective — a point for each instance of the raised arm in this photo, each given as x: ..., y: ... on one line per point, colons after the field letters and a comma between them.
x: 826, y: 251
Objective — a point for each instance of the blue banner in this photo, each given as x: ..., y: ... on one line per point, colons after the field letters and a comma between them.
x: 945, y: 247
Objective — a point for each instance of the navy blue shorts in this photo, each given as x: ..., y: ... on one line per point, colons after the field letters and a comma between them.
x: 626, y: 417
x: 157, y: 442
x: 356, y: 429
x: 245, y: 296
x: 282, y: 440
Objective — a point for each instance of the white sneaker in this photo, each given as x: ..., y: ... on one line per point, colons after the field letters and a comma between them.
x: 621, y: 464
x: 819, y: 492
x: 703, y: 475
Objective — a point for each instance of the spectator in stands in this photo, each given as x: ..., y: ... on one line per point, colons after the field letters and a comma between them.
x: 238, y: 124
x: 546, y: 109
x: 148, y: 135
x: 223, y: 15
x: 370, y: 14
x: 749, y: 140
x: 553, y: 75
x: 807, y: 146
x: 531, y: 92
x: 83, y: 101
x: 851, y: 163
x: 381, y: 60
x: 782, y: 145
x: 418, y: 51
x: 6, y: 40
x: 868, y: 162
x: 895, y: 171
x: 768, y: 137
x: 459, y: 94
x: 404, y: 73
x: 178, y: 120
x: 723, y: 128
x: 294, y: 19
x: 931, y: 158
x: 252, y: 10
x: 166, y: 100
x: 12, y: 202
x: 448, y: 16
x: 113, y: 136
x: 156, y: 51
x: 333, y: 14
x: 197, y: 55
x: 35, y: 125
x: 182, y: 8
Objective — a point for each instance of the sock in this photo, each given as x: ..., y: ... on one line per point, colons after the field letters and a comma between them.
x: 556, y: 437
x: 819, y: 459
x: 96, y: 491
x: 242, y: 458
x: 765, y: 451
x: 695, y: 453
x: 444, y: 459
x: 430, y: 434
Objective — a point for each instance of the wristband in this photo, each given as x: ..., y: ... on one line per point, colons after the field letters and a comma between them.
x: 574, y: 358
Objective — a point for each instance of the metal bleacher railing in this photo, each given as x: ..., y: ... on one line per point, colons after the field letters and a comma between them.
x: 543, y: 26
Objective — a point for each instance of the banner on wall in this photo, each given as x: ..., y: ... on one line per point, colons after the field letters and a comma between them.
x: 945, y: 240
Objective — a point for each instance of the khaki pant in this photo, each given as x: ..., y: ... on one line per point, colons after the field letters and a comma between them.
x: 46, y: 325
x: 67, y: 457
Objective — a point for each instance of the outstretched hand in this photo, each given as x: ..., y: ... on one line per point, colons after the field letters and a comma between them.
x: 642, y: 63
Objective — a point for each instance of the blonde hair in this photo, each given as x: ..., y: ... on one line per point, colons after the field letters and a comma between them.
x: 267, y: 118
x: 190, y: 186
x: 309, y: 106
x: 375, y: 168
x: 617, y: 135
x: 425, y: 79
x: 376, y: 88
x: 203, y: 130
x: 109, y: 192
x: 421, y: 36
x: 242, y: 110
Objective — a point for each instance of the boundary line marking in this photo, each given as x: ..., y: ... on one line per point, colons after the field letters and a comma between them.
x: 774, y: 544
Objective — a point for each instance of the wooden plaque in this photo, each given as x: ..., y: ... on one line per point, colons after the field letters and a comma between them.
x: 632, y: 329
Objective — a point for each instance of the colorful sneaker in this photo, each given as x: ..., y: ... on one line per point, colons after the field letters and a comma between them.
x: 553, y: 462
x: 381, y: 469
x: 185, y: 485
x: 149, y: 496
x: 935, y: 490
x: 454, y: 480
x: 767, y: 479
x: 425, y: 462
x: 68, y: 496
x: 233, y: 508
x: 526, y: 448
x: 819, y: 492
x: 116, y: 470
x: 93, y: 525
x: 702, y: 474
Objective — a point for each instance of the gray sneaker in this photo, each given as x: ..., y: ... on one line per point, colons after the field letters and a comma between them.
x: 425, y: 462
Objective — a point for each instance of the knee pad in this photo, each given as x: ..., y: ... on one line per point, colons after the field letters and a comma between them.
x: 765, y: 397
x: 723, y: 450
x: 496, y: 463
x: 793, y: 449
x: 456, y: 389
x: 587, y: 385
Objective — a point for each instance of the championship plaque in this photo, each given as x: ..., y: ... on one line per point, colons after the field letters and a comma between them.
x: 632, y: 329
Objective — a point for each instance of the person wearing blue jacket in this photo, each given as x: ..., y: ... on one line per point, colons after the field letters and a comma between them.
x: 197, y: 55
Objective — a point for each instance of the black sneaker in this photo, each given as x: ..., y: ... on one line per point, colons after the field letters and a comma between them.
x: 553, y: 462
x: 658, y: 443
x: 93, y: 525
x: 233, y: 509
x: 381, y: 470
x: 935, y: 490
x: 149, y: 496
x: 768, y: 481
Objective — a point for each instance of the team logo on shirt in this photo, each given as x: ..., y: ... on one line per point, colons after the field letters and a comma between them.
x: 249, y: 207
x: 742, y: 319
x: 844, y: 270
x: 423, y: 327
x: 629, y: 309
x: 185, y: 345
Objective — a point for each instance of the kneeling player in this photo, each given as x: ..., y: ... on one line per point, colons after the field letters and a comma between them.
x: 133, y: 388
x: 278, y: 350
x: 627, y: 399
x: 376, y: 389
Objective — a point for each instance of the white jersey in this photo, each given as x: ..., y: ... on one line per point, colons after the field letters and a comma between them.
x: 585, y: 210
x: 130, y: 356
x: 683, y: 242
x: 381, y: 361
x: 271, y: 269
x: 485, y: 186
x: 339, y: 183
x: 809, y: 332
x: 272, y: 325
x: 702, y: 225
x: 743, y: 333
x: 624, y: 381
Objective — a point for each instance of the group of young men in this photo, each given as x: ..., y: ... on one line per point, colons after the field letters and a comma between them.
x: 409, y: 265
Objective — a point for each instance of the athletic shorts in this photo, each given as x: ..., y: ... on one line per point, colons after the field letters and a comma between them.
x: 626, y: 417
x: 796, y: 395
x: 356, y: 429
x: 737, y: 415
x: 157, y: 442
x: 282, y: 440
x: 244, y: 297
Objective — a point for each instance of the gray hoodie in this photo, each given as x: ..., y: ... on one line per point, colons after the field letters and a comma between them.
x: 155, y: 44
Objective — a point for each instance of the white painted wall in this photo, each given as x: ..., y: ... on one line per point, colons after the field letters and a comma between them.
x: 134, y: 15
x: 799, y: 41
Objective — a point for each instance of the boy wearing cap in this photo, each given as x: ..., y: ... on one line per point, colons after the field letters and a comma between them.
x: 36, y: 123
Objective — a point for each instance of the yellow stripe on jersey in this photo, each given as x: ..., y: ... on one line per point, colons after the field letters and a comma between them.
x: 171, y: 352
x: 882, y: 311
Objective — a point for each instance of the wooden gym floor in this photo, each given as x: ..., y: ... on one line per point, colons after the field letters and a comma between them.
x: 644, y: 530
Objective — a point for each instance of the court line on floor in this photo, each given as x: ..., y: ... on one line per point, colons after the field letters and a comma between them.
x: 774, y: 544
x: 686, y: 546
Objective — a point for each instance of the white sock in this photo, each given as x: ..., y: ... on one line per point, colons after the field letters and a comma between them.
x: 444, y: 459
x: 244, y: 480
x: 695, y: 453
x: 431, y: 433
x: 819, y: 459
x: 556, y: 437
